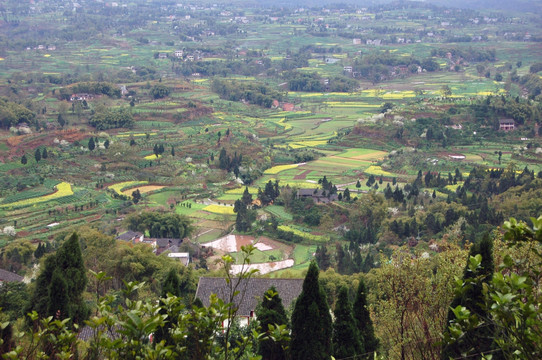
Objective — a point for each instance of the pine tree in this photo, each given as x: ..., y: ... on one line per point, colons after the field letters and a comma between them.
x: 58, y: 300
x: 24, y: 160
x: 322, y: 257
x: 358, y: 184
x: 346, y: 339
x: 346, y: 194
x: 363, y: 319
x: 68, y: 263
x: 246, y: 199
x: 61, y: 120
x: 478, y: 340
x: 91, y: 144
x: 271, y: 312
x: 44, y: 154
x: 171, y: 285
x: 172, y: 151
x: 106, y: 143
x: 37, y: 155
x: 311, y: 321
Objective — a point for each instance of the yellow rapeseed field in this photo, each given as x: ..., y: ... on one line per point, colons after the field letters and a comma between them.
x: 219, y: 209
x: 63, y: 189
x: 276, y: 169
x: 377, y: 170
x: 118, y: 187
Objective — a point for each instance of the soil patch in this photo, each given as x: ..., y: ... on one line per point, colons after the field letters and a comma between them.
x: 303, y: 175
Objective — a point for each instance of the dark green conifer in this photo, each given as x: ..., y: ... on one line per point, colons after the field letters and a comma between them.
x: 478, y: 340
x: 346, y: 339
x: 91, y: 144
x: 271, y: 312
x: 171, y: 285
x: 363, y: 319
x: 311, y: 321
x: 58, y: 301
x: 68, y: 263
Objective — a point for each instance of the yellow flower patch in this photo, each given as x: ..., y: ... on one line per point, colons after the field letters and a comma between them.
x: 152, y: 157
x: 219, y: 209
x: 63, y: 189
x: 276, y: 169
x: 119, y: 187
x: 377, y: 170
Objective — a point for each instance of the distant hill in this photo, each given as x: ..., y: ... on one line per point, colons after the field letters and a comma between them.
x: 515, y: 5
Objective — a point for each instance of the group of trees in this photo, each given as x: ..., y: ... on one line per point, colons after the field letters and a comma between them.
x: 257, y: 94
x: 160, y: 225
x: 494, y: 312
x: 312, y: 82
x: 12, y: 114
x: 377, y: 66
x: 245, y: 214
x: 469, y: 54
x: 316, y: 336
x: 112, y: 119
x: 90, y: 87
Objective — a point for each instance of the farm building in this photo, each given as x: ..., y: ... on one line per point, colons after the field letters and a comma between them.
x: 507, y: 124
x: 160, y: 245
x: 251, y: 292
x: 183, y: 257
x: 81, y: 97
x: 317, y: 195
x: 288, y: 107
x: 131, y: 236
x: 8, y: 276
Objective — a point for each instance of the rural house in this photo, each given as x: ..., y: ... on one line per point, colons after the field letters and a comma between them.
x: 251, y: 292
x: 131, y: 236
x: 507, y: 124
x: 8, y: 276
x: 317, y: 195
x: 183, y: 257
x: 81, y: 97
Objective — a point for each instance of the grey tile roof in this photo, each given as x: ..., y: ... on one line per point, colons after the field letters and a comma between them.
x: 253, y: 289
x: 87, y: 333
x: 8, y: 276
x: 129, y: 235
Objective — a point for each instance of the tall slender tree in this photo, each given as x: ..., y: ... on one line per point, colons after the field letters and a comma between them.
x: 37, y: 155
x: 363, y: 319
x: 311, y: 321
x: 478, y: 340
x: 70, y: 275
x: 171, y: 285
x: 271, y: 312
x: 91, y: 144
x: 346, y: 339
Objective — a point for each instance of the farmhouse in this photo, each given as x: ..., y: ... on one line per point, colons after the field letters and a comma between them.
x: 8, y: 276
x: 251, y: 292
x: 507, y: 124
x: 160, y: 245
x: 81, y: 97
x: 183, y: 257
x: 288, y: 107
x: 317, y: 195
x: 131, y: 236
